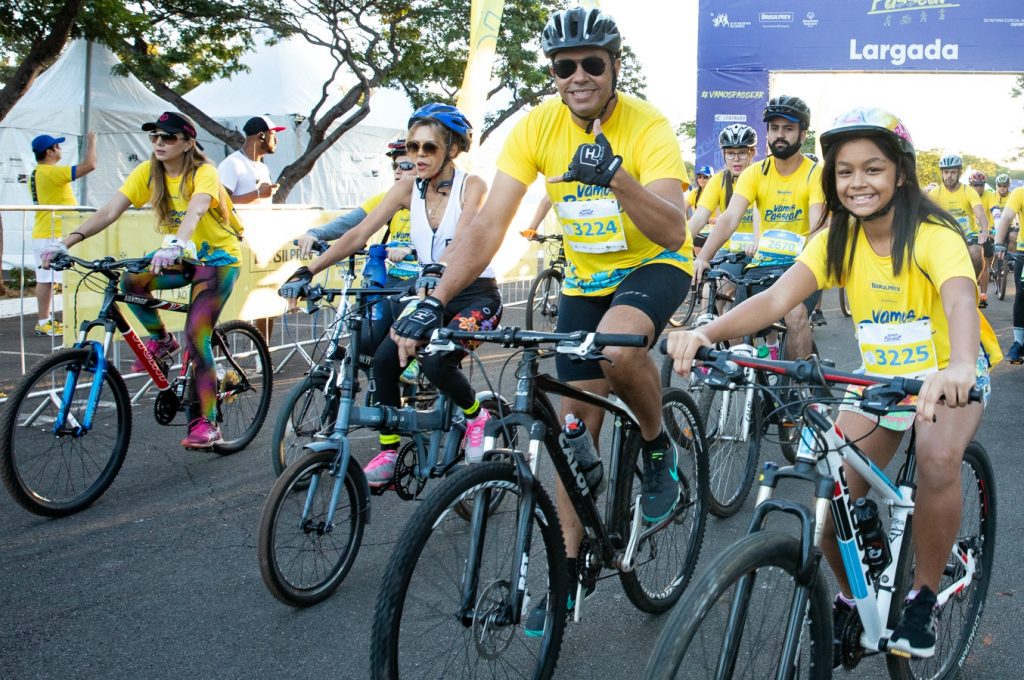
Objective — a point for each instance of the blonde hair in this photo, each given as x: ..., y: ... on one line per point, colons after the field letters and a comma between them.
x: 159, y: 198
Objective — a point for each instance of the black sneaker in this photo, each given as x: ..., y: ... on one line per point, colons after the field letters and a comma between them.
x: 841, y: 615
x: 817, y: 318
x: 914, y: 635
x: 659, y: 494
x: 534, y: 627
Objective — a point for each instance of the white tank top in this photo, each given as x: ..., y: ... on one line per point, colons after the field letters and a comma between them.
x: 429, y: 244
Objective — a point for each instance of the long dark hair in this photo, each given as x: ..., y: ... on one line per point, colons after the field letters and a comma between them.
x: 910, y: 207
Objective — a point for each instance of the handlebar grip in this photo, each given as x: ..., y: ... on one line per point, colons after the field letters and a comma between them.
x: 620, y: 340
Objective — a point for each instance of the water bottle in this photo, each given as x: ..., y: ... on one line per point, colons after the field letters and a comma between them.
x: 873, y: 538
x: 375, y: 274
x: 582, y: 445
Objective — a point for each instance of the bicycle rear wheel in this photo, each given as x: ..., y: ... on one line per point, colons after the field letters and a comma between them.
x: 755, y: 579
x: 430, y: 623
x: 303, y: 556
x: 306, y: 416
x: 958, y: 620
x: 665, y: 560
x: 682, y: 315
x: 53, y: 474
x: 245, y: 388
x: 542, y: 303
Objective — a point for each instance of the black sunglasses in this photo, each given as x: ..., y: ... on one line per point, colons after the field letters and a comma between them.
x: 565, y: 68
x: 429, y: 148
x: 405, y: 166
x: 165, y: 137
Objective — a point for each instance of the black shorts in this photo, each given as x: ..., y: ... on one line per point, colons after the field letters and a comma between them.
x: 655, y: 289
x: 741, y: 294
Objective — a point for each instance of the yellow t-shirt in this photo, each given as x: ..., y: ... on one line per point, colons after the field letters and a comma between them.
x: 51, y: 185
x: 217, y: 242
x: 784, y: 204
x: 1015, y: 202
x: 398, y: 236
x: 713, y: 200
x: 960, y: 204
x: 602, y: 244
x: 877, y: 296
x: 990, y: 200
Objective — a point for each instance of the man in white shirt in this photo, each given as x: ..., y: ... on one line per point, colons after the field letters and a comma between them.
x: 243, y: 173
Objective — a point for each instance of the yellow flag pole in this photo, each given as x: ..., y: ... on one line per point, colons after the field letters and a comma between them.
x: 485, y: 20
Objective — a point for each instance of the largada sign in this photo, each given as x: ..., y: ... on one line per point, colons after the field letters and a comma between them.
x: 740, y: 42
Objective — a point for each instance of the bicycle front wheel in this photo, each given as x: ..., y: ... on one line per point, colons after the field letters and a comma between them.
x: 665, y: 561
x: 958, y: 619
x: 733, y: 622
x: 57, y: 473
x: 732, y: 460
x: 682, y: 315
x: 443, y: 610
x: 542, y: 304
x: 306, y: 416
x: 1001, y: 276
x: 245, y: 388
x: 304, y: 551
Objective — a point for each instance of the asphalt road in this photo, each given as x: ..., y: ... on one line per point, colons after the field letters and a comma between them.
x: 159, y: 578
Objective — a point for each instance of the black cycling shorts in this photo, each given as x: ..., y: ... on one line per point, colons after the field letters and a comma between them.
x: 655, y: 289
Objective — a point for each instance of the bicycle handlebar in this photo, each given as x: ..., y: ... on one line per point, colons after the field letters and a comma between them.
x: 578, y: 343
x: 132, y: 264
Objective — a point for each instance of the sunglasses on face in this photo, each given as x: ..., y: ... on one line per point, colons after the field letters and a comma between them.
x: 405, y: 166
x: 429, y: 148
x: 164, y: 137
x: 566, y: 68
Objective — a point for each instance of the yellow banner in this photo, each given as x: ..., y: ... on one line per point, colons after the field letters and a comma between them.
x: 485, y: 19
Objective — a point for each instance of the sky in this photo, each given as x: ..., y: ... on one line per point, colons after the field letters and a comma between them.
x: 988, y: 122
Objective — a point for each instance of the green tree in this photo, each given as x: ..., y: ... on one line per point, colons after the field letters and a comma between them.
x: 810, y: 141
x: 687, y: 132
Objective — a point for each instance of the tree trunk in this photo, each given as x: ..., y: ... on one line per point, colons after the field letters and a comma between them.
x: 41, y: 53
x: 233, y: 138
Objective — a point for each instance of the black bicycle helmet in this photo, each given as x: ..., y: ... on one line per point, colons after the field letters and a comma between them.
x: 737, y: 136
x: 580, y: 27
x: 791, y: 108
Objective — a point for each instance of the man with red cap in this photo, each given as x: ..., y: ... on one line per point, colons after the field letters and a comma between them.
x: 243, y: 173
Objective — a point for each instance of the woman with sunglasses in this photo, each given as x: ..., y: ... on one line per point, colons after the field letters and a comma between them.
x: 442, y: 201
x: 200, y: 249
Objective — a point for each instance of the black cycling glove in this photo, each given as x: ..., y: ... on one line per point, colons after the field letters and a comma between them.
x: 297, y: 284
x: 429, y: 276
x: 988, y: 248
x: 422, y: 321
x: 594, y: 164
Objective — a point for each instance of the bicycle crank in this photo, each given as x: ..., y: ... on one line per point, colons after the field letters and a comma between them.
x: 166, y: 407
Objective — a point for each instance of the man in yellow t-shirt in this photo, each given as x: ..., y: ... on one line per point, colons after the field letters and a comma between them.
x: 614, y: 176
x: 965, y: 206
x: 50, y: 184
x: 786, y: 188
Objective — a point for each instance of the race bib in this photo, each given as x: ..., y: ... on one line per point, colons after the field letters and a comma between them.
x: 898, y: 350
x: 592, y: 226
x: 779, y: 244
x: 739, y: 242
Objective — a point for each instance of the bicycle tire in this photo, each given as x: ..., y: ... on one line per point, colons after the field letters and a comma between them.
x: 789, y: 435
x: 27, y: 453
x: 684, y: 312
x: 283, y: 561
x: 844, y: 304
x: 542, y: 301
x: 305, y: 415
x: 689, y: 643
x: 240, y: 416
x: 1001, y: 277
x: 978, y: 530
x: 731, y: 463
x: 420, y: 590
x: 660, y: 575
x: 497, y: 407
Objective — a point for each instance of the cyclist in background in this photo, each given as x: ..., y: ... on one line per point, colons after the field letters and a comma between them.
x: 622, y: 211
x: 201, y: 249
x: 703, y: 174
x: 904, y: 260
x: 1013, y: 209
x: 786, y: 190
x: 1002, y: 198
x: 989, y: 200
x: 965, y: 206
x: 442, y: 202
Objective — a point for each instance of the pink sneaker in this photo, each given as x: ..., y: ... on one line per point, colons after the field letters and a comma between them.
x: 202, y: 434
x: 160, y: 349
x: 773, y: 352
x: 474, y: 441
x: 381, y: 470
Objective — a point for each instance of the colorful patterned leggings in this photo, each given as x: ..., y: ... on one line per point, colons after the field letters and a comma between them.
x: 211, y: 287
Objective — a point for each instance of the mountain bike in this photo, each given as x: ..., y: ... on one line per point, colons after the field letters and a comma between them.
x: 312, y: 523
x: 1002, y: 269
x: 762, y: 608
x: 454, y: 598
x: 546, y: 288
x: 66, y: 428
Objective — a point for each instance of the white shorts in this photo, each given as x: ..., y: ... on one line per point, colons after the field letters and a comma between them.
x: 44, y: 275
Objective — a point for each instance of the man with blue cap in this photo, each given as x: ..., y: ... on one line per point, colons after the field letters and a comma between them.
x: 50, y: 184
